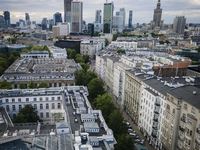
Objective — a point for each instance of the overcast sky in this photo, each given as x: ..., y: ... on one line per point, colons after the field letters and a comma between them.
x: 142, y: 9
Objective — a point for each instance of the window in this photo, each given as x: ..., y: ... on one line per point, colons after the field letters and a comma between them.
x: 41, y: 106
x: 27, y: 99
x: 6, y: 100
x: 172, y: 120
x: 14, y: 115
x: 168, y: 107
x: 173, y: 111
x: 54, y: 84
x: 189, y: 122
x: 58, y: 105
x: 13, y: 107
x: 193, y: 111
x: 19, y: 99
x: 13, y: 100
x: 47, y: 114
x: 20, y: 107
x: 35, y: 99
x: 47, y: 106
x: 59, y: 84
x: 7, y: 107
x: 185, y: 106
x: 41, y: 115
x: 35, y: 106
x: 53, y: 105
x: 190, y: 132
x: 47, y: 98
x: 58, y: 98
x: 40, y: 98
x: 52, y: 98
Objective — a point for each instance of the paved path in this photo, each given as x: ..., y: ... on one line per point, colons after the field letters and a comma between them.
x: 135, y: 127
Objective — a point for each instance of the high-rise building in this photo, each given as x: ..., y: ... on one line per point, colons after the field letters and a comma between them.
x: 67, y: 10
x: 77, y: 16
x: 27, y: 18
x: 7, y: 18
x: 44, y: 23
x: 108, y: 17
x: 51, y: 23
x: 179, y: 24
x: 157, y: 17
x: 91, y: 29
x: 130, y: 19
x: 117, y: 26
x: 57, y: 17
x: 123, y: 14
x: 98, y: 16
x: 2, y: 21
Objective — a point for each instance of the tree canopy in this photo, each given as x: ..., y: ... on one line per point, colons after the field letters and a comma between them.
x: 32, y: 85
x: 95, y: 87
x: 5, y: 85
x: 84, y: 66
x: 125, y: 143
x: 121, y: 51
x: 27, y: 114
x: 43, y: 85
x: 22, y: 85
x: 106, y: 42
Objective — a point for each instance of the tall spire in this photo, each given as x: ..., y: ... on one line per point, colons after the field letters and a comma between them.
x: 158, y: 5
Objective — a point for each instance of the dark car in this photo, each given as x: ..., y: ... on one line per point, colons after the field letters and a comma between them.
x: 137, y: 141
x: 136, y: 137
x: 142, y: 142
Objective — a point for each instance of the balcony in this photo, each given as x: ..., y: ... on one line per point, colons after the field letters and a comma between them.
x: 183, y: 119
x: 155, y: 119
x: 182, y: 129
x: 154, y: 135
x: 156, y: 111
x: 155, y: 128
x: 197, y: 140
x: 198, y: 130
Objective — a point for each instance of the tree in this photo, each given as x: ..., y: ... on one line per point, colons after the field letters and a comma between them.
x: 22, y: 85
x: 116, y: 123
x: 84, y: 66
x: 105, y: 104
x: 106, y: 42
x: 125, y: 143
x: 5, y: 85
x: 95, y: 87
x: 79, y: 59
x: 161, y: 42
x: 11, y: 60
x: 15, y: 53
x: 32, y: 85
x: 176, y: 42
x: 96, y: 33
x: 88, y: 77
x: 27, y: 114
x: 70, y: 38
x: 43, y: 85
x: 86, y: 58
x: 73, y: 54
x: 121, y: 51
x: 167, y: 41
x: 115, y: 36
x: 65, y: 37
x: 80, y: 74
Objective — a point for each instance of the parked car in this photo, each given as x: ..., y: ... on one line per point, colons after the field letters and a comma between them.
x: 132, y: 134
x: 131, y: 131
x: 142, y: 142
x: 76, y: 120
x: 137, y: 141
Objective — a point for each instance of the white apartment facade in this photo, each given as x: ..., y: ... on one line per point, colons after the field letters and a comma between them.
x: 125, y: 45
x: 58, y: 52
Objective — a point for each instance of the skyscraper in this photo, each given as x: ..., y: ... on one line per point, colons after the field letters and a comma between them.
x: 7, y: 18
x: 77, y: 16
x: 179, y: 24
x: 117, y: 24
x: 108, y: 17
x: 2, y: 21
x: 98, y: 16
x: 57, y: 17
x: 67, y: 10
x: 51, y: 23
x: 123, y: 14
x: 157, y: 17
x: 44, y: 23
x: 130, y: 19
x: 27, y: 18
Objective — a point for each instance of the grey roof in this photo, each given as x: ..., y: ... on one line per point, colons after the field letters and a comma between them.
x: 150, y: 91
x: 93, y: 139
x: 91, y: 125
x: 87, y: 116
x: 186, y: 93
x: 61, y: 125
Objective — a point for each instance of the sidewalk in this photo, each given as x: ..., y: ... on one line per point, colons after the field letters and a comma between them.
x: 134, y: 126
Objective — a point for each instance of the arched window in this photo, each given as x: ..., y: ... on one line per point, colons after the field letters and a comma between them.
x: 193, y: 111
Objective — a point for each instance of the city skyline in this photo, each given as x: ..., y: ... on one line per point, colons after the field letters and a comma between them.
x: 142, y: 9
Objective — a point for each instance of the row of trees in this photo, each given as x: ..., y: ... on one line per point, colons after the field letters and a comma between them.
x: 166, y: 41
x: 102, y: 101
x: 33, y: 86
x: 121, y: 51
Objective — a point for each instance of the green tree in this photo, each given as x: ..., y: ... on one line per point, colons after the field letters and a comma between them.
x: 70, y: 38
x: 161, y: 42
x: 25, y: 50
x: 115, y: 36
x: 88, y: 77
x: 105, y: 104
x: 116, y: 123
x: 11, y: 60
x: 5, y: 85
x: 15, y: 53
x: 3, y: 56
x: 32, y: 85
x: 27, y: 114
x: 167, y: 41
x: 86, y: 58
x: 121, y: 51
x: 43, y: 85
x: 80, y: 75
x: 96, y: 33
x: 176, y: 42
x: 65, y: 37
x: 95, y: 87
x: 22, y: 85
x: 79, y: 59
x: 106, y: 42
x: 73, y: 54
x: 125, y: 143
x: 84, y: 66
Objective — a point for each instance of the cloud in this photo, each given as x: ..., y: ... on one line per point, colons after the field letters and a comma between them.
x: 142, y: 9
